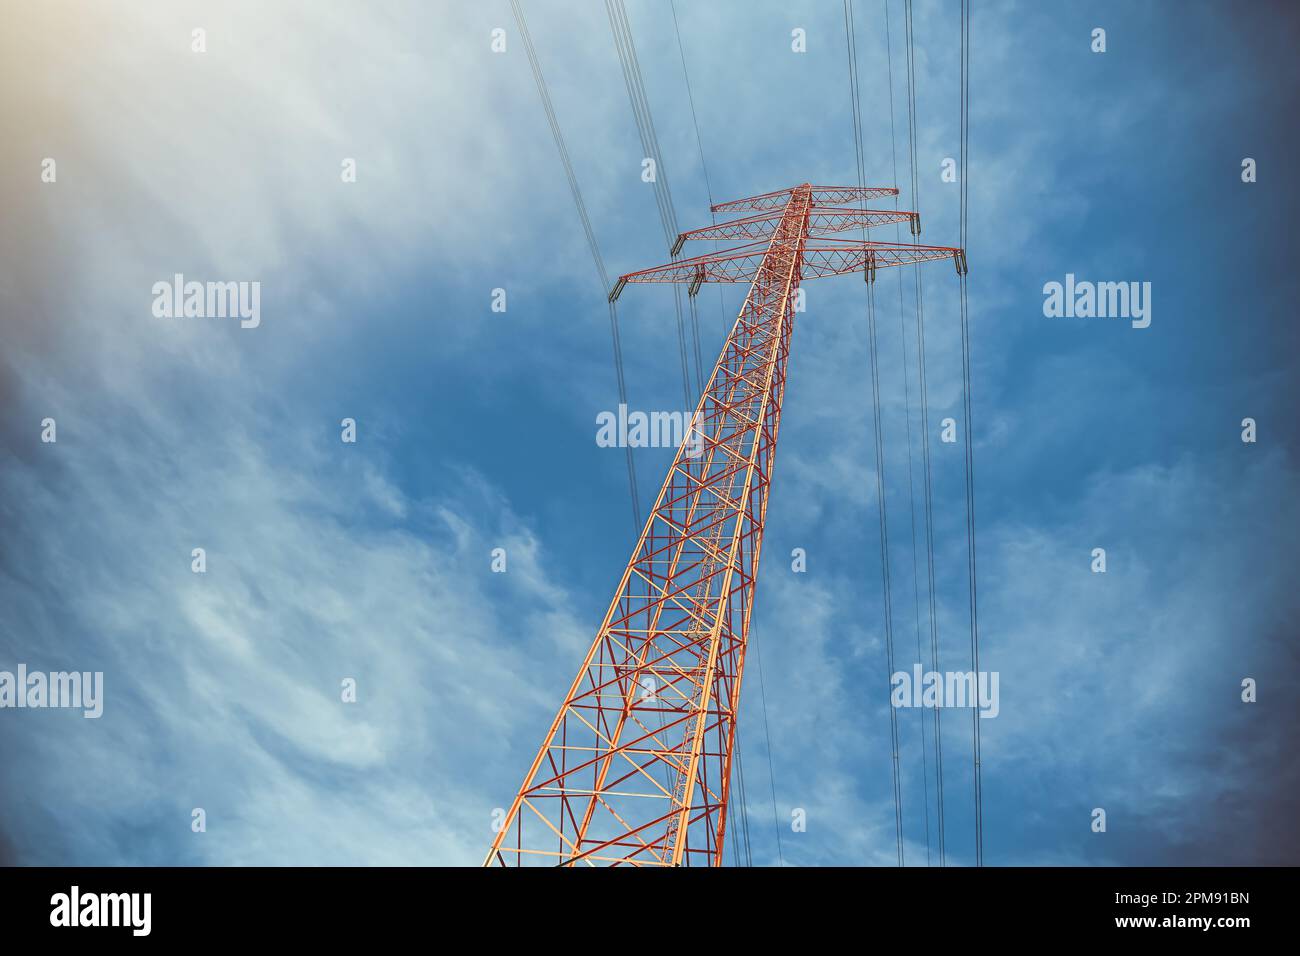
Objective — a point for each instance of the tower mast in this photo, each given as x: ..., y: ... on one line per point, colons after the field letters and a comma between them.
x: 636, y: 766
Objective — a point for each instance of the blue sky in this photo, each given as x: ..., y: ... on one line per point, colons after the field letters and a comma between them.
x: 476, y: 429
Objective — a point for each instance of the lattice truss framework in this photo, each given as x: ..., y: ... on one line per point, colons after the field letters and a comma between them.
x: 636, y: 766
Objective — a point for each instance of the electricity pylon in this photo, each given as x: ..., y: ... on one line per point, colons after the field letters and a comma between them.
x: 636, y: 766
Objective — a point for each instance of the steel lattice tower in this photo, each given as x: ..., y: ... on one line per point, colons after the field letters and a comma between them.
x: 636, y: 765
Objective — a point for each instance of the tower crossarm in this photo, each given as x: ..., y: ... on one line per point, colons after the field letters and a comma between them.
x: 821, y: 195
x: 821, y: 219
x: 821, y: 257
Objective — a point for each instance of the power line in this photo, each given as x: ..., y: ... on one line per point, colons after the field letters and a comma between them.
x: 767, y: 733
x: 925, y: 430
x: 907, y: 406
x: 708, y: 187
x: 879, y: 439
x: 744, y: 801
x: 621, y: 27
x: 581, y: 206
x: 970, y: 457
x: 735, y: 842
